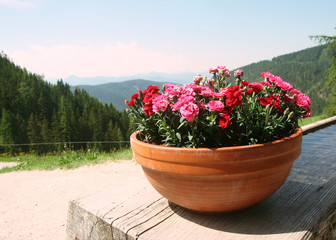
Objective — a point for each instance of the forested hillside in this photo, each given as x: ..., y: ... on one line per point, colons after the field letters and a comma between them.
x: 307, y: 70
x: 34, y: 111
x: 117, y: 92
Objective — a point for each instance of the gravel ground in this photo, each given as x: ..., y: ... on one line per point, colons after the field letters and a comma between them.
x: 34, y: 204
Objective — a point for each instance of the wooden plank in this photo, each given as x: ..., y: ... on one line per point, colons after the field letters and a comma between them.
x: 294, y: 212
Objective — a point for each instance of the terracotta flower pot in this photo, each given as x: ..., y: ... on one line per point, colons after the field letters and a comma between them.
x: 215, y: 180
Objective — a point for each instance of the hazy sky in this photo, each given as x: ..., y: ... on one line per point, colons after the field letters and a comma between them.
x: 59, y: 38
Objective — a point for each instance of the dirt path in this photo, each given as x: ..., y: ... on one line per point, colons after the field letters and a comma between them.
x: 34, y: 205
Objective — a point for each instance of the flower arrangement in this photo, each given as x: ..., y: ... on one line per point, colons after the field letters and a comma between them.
x: 212, y: 113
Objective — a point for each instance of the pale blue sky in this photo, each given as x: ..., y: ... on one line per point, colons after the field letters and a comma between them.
x: 59, y: 38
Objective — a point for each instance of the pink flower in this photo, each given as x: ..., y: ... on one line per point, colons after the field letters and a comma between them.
x: 196, y: 88
x: 211, y: 81
x: 307, y: 114
x: 302, y: 100
x: 183, y: 100
x: 222, y: 70
x: 213, y: 70
x: 215, y: 105
x: 266, y: 75
x: 295, y: 92
x: 206, y: 92
x: 172, y: 90
x: 198, y: 79
x: 160, y: 103
x: 218, y: 94
x: 280, y: 83
x: 239, y: 72
x: 201, y: 105
x: 168, y: 85
x: 189, y: 111
x: 266, y: 83
x: 223, y: 90
x: 188, y: 91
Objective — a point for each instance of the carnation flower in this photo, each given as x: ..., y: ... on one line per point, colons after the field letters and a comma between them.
x: 206, y: 92
x: 215, y: 105
x: 233, y: 96
x: 266, y: 83
x: 213, y: 70
x: 302, y: 100
x: 239, y: 72
x: 160, y: 103
x: 211, y: 81
x: 222, y: 70
x: 198, y: 79
x: 189, y: 111
x: 196, y: 88
x: 282, y: 84
x: 224, y: 121
x: 266, y: 75
x: 271, y: 100
x: 148, y: 108
x: 183, y: 100
x: 172, y: 90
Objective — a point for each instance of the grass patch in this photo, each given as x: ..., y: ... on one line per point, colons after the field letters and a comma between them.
x: 312, y: 120
x: 64, y: 160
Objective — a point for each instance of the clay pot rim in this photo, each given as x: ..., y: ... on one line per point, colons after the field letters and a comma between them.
x: 298, y: 132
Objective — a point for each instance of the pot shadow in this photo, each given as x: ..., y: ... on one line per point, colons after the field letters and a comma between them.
x: 294, y: 207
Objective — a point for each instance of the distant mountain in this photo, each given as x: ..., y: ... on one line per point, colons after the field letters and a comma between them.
x: 307, y: 70
x: 117, y: 92
x: 180, y: 78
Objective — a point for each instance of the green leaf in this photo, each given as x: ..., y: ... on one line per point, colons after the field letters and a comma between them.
x: 178, y: 135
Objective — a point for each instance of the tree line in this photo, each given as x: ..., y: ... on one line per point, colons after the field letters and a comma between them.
x: 35, y: 111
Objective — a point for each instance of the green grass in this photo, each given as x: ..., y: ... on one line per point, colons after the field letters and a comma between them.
x: 65, y: 160
x: 312, y: 120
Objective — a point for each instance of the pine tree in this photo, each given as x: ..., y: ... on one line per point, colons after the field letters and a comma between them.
x: 7, y: 130
x: 330, y: 110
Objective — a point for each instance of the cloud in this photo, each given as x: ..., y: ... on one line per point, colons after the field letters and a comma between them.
x: 106, y: 60
x: 16, y: 3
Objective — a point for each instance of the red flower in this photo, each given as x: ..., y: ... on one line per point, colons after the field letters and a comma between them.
x: 273, y: 101
x: 131, y: 103
x: 249, y: 92
x: 225, y: 121
x: 148, y: 108
x: 265, y: 101
x: 254, y: 87
x: 233, y: 96
x: 150, y: 93
x: 134, y: 97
